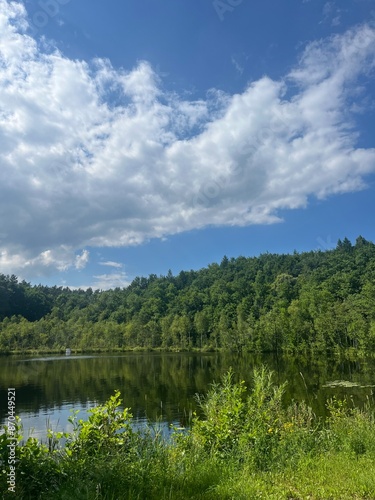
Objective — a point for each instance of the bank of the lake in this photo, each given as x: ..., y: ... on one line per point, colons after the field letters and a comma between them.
x: 245, y: 444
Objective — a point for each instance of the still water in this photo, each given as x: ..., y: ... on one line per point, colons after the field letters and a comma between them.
x: 161, y: 386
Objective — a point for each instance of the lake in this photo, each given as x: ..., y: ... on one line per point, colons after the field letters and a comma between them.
x: 161, y: 386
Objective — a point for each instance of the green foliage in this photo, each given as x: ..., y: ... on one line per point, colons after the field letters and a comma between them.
x: 38, y: 467
x: 106, y: 431
x: 251, y: 425
x: 246, y: 444
x: 224, y: 411
x: 351, y: 428
x: 310, y: 301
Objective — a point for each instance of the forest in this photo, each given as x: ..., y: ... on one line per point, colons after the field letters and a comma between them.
x: 317, y: 300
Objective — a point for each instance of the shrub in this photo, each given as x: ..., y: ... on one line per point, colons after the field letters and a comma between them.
x: 38, y: 467
x: 251, y: 427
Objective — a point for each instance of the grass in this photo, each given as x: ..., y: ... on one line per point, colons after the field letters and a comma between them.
x: 246, y: 445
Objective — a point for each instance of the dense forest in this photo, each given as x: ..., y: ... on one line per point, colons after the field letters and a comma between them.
x: 312, y: 300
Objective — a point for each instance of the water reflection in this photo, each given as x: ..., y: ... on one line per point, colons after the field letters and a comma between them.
x: 161, y: 386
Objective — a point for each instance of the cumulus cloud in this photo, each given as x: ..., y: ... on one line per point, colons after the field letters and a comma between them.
x: 92, y: 156
x: 82, y: 260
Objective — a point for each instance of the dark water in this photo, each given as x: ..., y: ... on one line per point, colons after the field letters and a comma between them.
x: 161, y: 386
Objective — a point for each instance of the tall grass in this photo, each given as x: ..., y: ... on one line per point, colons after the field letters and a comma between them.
x: 245, y: 445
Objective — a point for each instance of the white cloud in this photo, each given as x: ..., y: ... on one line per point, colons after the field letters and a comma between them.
x: 82, y: 260
x: 116, y: 265
x: 331, y: 14
x: 80, y: 169
x: 104, y: 282
x: 111, y: 280
x: 238, y: 67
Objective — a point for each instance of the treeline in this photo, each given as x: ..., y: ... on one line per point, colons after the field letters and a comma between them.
x: 311, y: 300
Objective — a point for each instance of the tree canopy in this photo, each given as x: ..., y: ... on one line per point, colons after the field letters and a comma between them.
x: 311, y: 300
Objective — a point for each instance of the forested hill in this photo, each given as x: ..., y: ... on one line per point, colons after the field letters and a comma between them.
x: 318, y: 300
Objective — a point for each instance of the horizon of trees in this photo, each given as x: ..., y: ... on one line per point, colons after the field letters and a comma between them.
x: 312, y: 300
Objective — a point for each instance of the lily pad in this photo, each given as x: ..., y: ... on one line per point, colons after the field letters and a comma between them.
x: 341, y: 383
x: 345, y: 383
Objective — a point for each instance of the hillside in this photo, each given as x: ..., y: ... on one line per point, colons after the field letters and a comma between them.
x: 312, y: 300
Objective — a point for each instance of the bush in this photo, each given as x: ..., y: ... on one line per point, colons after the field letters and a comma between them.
x: 250, y: 427
x: 106, y: 432
x: 38, y: 467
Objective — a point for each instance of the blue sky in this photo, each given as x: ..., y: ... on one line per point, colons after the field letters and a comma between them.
x: 142, y: 136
